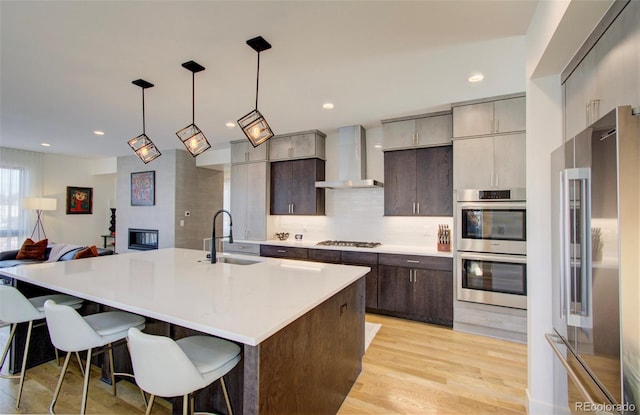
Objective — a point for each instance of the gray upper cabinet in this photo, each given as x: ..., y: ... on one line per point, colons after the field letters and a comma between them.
x: 608, y: 76
x: 243, y: 152
x: 487, y: 118
x: 307, y: 144
x: 249, y: 200
x: 422, y: 131
x: 490, y: 162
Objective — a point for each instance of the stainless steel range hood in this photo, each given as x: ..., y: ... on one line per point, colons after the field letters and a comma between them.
x: 352, y: 161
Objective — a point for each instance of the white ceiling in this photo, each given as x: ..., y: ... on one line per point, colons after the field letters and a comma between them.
x: 67, y: 67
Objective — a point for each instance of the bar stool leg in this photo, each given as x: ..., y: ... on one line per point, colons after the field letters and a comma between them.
x: 6, y: 347
x: 79, y: 363
x: 113, y: 369
x: 226, y: 395
x: 150, y: 404
x: 24, y: 363
x: 59, y: 385
x: 85, y: 386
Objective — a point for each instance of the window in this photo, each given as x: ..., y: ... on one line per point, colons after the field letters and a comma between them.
x: 11, y: 224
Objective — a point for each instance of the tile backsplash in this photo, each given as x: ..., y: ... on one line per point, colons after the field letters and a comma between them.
x: 358, y: 215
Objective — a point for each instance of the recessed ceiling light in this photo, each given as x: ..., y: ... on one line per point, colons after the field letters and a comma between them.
x: 98, y: 132
x: 230, y: 124
x: 45, y: 144
x: 476, y: 78
x: 327, y: 105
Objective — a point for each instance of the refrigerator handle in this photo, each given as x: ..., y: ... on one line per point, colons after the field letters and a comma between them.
x: 576, y: 316
x: 552, y: 340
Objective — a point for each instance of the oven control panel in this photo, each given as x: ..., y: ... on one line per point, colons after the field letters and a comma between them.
x: 494, y: 194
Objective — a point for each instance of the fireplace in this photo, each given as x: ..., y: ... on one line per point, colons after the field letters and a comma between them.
x: 143, y: 239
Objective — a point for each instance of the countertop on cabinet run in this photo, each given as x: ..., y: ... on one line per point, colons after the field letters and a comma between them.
x: 244, y: 303
x: 382, y: 249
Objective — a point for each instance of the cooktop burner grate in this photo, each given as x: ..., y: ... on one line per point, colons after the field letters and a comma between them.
x: 354, y: 244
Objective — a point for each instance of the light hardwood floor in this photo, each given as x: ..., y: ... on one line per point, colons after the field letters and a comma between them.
x: 410, y: 368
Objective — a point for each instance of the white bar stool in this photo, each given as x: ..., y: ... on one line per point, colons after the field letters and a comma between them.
x: 166, y: 367
x: 72, y: 332
x: 15, y: 308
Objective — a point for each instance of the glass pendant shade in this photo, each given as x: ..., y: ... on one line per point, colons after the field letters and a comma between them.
x: 144, y: 148
x: 255, y: 127
x: 193, y: 139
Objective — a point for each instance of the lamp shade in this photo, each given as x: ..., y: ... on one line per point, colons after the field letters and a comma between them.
x: 39, y: 203
x: 255, y: 127
x: 144, y: 148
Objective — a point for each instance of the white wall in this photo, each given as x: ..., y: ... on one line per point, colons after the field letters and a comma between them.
x: 62, y: 171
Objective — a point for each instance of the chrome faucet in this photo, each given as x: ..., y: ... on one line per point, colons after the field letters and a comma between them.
x: 213, y: 234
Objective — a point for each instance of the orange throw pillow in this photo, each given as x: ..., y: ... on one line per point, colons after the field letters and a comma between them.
x: 86, y: 253
x: 33, y: 250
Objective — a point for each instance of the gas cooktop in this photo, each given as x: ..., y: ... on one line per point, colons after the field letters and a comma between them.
x: 354, y: 244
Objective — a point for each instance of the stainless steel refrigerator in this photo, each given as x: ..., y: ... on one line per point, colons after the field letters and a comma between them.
x: 595, y: 185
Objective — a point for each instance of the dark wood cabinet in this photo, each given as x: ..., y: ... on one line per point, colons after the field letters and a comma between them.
x: 367, y: 259
x: 416, y: 287
x: 293, y: 190
x: 419, y: 182
x: 277, y: 251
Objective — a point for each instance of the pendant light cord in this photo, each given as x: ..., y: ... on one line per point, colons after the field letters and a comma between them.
x: 257, y: 80
x: 193, y: 98
x: 143, y: 131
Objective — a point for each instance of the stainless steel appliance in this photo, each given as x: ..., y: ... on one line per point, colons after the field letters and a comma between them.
x: 596, y: 249
x: 354, y: 244
x: 491, y: 247
x: 492, y: 279
x: 492, y: 221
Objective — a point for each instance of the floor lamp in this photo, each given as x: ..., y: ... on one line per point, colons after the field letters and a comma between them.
x: 39, y: 204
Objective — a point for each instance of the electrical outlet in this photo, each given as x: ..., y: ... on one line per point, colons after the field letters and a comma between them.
x: 181, y: 222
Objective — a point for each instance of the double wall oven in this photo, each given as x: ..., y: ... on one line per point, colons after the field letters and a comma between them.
x: 491, y: 241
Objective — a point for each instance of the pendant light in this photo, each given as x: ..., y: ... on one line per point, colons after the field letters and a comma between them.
x: 191, y: 136
x: 254, y: 125
x: 142, y: 145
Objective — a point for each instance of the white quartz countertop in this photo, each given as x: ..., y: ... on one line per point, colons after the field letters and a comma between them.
x: 382, y: 249
x: 243, y: 303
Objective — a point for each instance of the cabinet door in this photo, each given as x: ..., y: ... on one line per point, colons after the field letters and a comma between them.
x: 398, y: 134
x: 367, y: 259
x: 510, y: 161
x: 243, y: 152
x: 303, y: 145
x: 281, y: 179
x: 434, y: 181
x: 580, y: 90
x: 306, y: 199
x: 395, y: 290
x: 256, y: 201
x: 433, y: 296
x: 238, y: 199
x: 279, y: 148
x: 239, y: 152
x: 510, y: 115
x: 434, y: 131
x: 473, y: 163
x: 474, y: 119
x: 399, y: 182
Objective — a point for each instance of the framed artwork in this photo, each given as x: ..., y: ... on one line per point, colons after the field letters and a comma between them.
x: 143, y: 188
x: 79, y: 200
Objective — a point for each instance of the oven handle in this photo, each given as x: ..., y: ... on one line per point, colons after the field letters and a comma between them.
x: 515, y: 259
x: 491, y: 205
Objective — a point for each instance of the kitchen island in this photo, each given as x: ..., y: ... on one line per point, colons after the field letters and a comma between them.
x: 301, y: 324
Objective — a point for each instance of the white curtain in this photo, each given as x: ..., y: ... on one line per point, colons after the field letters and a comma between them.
x: 20, y: 176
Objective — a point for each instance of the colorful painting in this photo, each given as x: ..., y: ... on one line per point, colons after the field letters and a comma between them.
x: 79, y: 200
x: 143, y: 188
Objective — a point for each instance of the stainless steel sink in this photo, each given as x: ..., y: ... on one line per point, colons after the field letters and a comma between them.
x: 237, y: 261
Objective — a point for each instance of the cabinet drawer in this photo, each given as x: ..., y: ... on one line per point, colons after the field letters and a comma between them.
x: 241, y: 248
x: 359, y: 258
x: 416, y: 261
x: 283, y: 252
x: 325, y: 255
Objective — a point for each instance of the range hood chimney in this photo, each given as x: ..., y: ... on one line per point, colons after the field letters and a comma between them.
x: 352, y: 161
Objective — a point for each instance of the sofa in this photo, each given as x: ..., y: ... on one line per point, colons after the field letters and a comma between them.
x: 8, y: 258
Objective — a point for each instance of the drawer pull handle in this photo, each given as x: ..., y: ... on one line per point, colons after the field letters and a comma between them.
x: 282, y: 251
x: 413, y: 261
